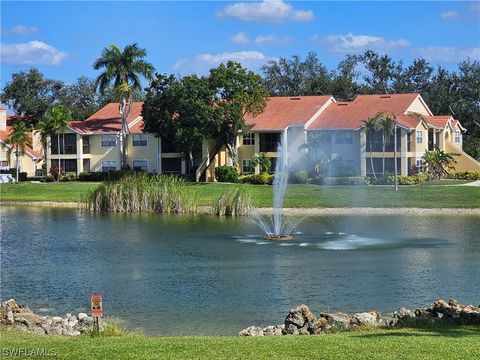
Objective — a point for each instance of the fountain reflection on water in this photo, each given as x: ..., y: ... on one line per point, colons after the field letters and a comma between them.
x: 277, y: 226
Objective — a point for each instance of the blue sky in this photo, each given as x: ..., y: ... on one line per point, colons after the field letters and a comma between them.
x: 62, y: 39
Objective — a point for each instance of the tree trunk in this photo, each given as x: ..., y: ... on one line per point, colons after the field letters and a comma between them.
x: 18, y: 164
x: 123, y: 133
x: 383, y: 149
x: 371, y: 159
x: 58, y: 160
x: 232, y: 150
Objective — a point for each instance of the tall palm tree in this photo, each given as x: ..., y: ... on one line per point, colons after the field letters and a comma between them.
x: 17, y: 140
x: 124, y: 69
x: 384, y: 123
x: 55, y: 120
x: 46, y: 129
x: 369, y: 127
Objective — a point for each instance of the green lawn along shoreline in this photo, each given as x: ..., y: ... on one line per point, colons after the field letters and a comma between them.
x: 404, y: 343
x: 297, y: 196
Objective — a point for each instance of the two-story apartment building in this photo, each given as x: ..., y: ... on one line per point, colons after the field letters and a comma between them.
x: 337, y: 127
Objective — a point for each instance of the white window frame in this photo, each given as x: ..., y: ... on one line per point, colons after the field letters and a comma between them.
x: 343, y: 138
x: 112, y: 165
x: 138, y: 160
x: 142, y: 140
x: 249, y: 139
x: 457, y: 137
x: 247, y: 164
x: 107, y: 141
x: 419, y: 136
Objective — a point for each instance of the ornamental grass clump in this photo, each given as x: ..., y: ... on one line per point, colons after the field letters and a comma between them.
x: 141, y: 192
x: 233, y: 202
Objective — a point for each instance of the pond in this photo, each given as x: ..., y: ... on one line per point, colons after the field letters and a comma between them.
x: 202, y: 275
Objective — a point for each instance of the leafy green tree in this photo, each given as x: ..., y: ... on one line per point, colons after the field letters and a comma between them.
x: 414, y: 78
x: 124, y: 69
x: 17, y: 140
x: 237, y: 92
x: 438, y: 162
x: 81, y: 98
x: 297, y: 77
x: 345, y: 85
x: 29, y: 94
x: 262, y: 161
x: 382, y: 71
x: 181, y: 109
x: 46, y: 129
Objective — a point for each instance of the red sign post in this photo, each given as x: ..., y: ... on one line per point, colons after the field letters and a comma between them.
x: 97, y: 310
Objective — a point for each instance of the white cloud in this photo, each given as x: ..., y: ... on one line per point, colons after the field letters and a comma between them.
x: 202, y: 63
x: 267, y: 10
x: 450, y: 15
x: 272, y: 40
x: 24, y: 30
x: 447, y: 54
x: 241, y: 38
x: 240, y: 56
x: 31, y: 53
x: 350, y: 43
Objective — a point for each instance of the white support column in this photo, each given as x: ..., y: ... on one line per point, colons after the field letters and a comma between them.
x: 403, y: 152
x: 159, y: 155
x: 79, y: 154
x: 49, y: 154
x: 257, y: 148
x: 184, y: 167
x: 363, y: 153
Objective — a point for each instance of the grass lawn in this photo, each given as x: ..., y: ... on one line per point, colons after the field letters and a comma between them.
x: 457, y: 343
x: 424, y: 196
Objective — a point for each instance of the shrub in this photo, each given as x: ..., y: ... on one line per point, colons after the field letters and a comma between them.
x: 262, y: 161
x: 350, y: 180
x: 464, y: 175
x: 235, y: 201
x: 299, y: 177
x: 118, y: 174
x: 70, y: 176
x: 226, y: 174
x: 257, y: 179
x: 48, y: 178
x: 409, y: 180
x: 92, y: 176
x: 141, y: 192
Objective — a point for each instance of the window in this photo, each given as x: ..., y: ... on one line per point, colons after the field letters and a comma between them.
x: 457, y: 136
x: 168, y: 147
x: 109, y: 141
x: 140, y: 140
x: 140, y: 165
x: 269, y: 142
x: 247, y: 166
x: 419, y: 136
x: 66, y: 143
x: 249, y: 139
x: 86, y: 144
x: 343, y: 137
x: 109, y: 165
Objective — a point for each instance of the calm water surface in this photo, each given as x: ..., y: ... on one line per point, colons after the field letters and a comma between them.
x: 184, y: 275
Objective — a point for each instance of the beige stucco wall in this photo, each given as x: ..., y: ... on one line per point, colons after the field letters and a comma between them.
x: 149, y: 152
x: 418, y: 107
x: 26, y: 162
x: 464, y: 162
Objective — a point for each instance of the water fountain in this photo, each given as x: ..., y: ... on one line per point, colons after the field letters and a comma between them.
x: 277, y: 226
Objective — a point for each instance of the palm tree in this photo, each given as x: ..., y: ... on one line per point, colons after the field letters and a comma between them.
x: 46, y: 129
x: 439, y: 162
x: 54, y: 122
x: 17, y: 140
x: 385, y: 124
x: 124, y: 70
x: 369, y: 127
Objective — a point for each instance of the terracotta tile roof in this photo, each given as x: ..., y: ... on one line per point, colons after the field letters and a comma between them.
x: 350, y: 115
x: 438, y: 121
x: 106, y: 120
x: 36, y: 154
x: 281, y: 112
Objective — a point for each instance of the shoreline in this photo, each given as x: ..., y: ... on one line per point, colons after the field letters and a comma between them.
x: 206, y: 210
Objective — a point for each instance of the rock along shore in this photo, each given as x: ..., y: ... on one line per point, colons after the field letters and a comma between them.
x: 301, y: 321
x: 14, y: 316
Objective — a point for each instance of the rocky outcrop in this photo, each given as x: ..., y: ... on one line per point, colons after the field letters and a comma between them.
x: 301, y: 321
x: 21, y: 317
